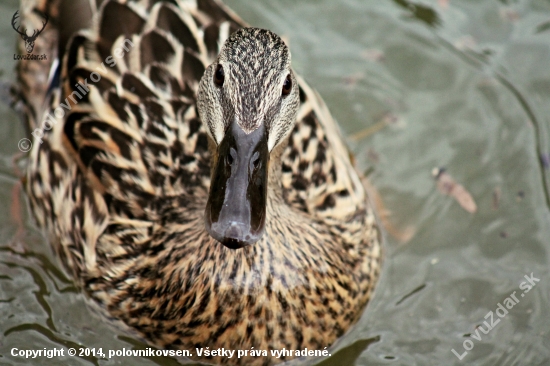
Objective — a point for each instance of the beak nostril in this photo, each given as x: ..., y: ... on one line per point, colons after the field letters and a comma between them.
x: 230, y: 158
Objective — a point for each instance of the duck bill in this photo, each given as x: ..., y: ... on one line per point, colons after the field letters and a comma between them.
x: 235, y: 212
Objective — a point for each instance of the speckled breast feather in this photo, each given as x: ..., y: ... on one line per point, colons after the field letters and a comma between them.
x: 120, y: 183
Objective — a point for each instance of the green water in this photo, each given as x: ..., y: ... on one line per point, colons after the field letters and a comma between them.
x: 463, y: 84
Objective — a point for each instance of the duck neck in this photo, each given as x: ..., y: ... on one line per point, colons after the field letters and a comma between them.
x: 275, y: 186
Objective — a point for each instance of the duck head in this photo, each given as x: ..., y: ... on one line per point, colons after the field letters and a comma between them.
x: 248, y: 100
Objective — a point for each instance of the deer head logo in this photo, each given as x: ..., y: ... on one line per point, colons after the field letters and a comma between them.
x: 29, y: 40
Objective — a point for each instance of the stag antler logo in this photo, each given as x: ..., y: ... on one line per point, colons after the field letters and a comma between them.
x: 29, y: 40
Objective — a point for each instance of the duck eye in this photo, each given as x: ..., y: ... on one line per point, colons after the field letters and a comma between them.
x: 287, y: 85
x: 219, y: 75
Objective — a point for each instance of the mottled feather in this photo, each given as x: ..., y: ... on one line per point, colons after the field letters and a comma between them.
x: 120, y: 183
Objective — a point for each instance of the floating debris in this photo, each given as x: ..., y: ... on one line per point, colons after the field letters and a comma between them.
x: 388, y: 118
x: 466, y: 42
x: 373, y: 156
x: 373, y: 54
x: 447, y: 186
x: 496, y: 198
x: 416, y: 290
x: 351, y: 80
x: 509, y: 15
x: 503, y: 234
x: 520, y: 196
x: 443, y: 4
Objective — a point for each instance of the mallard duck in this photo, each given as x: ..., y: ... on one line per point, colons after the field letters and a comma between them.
x: 194, y: 186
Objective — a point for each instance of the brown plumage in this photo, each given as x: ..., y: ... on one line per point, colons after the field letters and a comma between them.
x: 121, y: 180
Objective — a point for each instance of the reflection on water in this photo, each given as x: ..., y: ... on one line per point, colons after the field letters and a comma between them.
x: 462, y: 85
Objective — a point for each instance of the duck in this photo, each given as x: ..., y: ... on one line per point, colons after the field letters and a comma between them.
x: 192, y: 184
